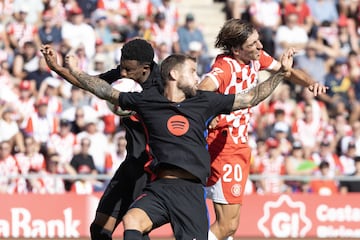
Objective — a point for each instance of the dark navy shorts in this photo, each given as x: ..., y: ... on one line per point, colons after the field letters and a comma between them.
x: 180, y: 202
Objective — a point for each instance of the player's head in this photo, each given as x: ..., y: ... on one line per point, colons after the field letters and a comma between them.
x: 234, y: 33
x: 136, y: 59
x: 241, y: 39
x: 180, y: 69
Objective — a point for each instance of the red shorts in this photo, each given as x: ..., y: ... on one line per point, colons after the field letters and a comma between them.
x: 230, y: 168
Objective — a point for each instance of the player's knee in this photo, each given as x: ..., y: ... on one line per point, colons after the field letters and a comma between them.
x: 98, y: 232
x: 137, y: 220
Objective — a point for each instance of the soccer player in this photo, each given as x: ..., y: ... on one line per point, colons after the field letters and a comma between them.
x: 136, y: 63
x: 175, y: 123
x: 236, y: 71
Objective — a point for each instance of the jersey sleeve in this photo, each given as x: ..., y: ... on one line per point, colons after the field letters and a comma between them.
x: 220, y: 103
x: 267, y: 62
x: 220, y: 72
x: 111, y: 75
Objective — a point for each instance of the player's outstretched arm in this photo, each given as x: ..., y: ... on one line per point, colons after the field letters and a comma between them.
x: 93, y: 84
x: 258, y: 93
x: 298, y: 76
x: 50, y: 56
x: 264, y: 89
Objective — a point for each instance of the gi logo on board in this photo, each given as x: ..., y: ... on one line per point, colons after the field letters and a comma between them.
x: 284, y: 218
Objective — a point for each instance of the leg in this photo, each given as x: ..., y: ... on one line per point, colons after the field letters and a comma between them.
x: 227, y: 220
x: 230, y: 172
x: 122, y: 190
x: 137, y: 219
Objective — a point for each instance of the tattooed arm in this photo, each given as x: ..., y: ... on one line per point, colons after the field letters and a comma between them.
x: 93, y: 84
x: 258, y: 93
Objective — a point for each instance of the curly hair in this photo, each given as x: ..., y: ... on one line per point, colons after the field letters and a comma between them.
x: 139, y: 50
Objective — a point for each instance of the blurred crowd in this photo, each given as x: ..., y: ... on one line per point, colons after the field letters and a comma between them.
x: 50, y: 127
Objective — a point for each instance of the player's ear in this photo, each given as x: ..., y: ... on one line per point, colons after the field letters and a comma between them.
x: 173, y: 74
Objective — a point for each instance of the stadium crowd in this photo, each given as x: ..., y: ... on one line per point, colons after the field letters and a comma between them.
x: 50, y: 127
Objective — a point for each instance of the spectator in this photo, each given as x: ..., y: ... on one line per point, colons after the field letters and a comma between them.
x: 290, y: 35
x: 189, y: 33
x: 26, y: 61
x: 50, y: 32
x: 51, y: 182
x: 76, y: 32
x: 303, y: 12
x: 34, y: 8
x: 140, y: 8
x: 24, y: 105
x: 77, y: 98
x: 297, y: 165
x: 41, y: 124
x: 50, y: 89
x: 308, y: 130
x: 203, y: 61
x: 9, y: 129
x: 319, y: 111
x: 116, y: 16
x: 350, y: 186
x: 347, y: 159
x: 271, y: 168
x: 30, y: 161
x: 99, y: 142
x: 325, y: 185
x: 87, y: 7
x: 19, y: 31
x: 326, y: 153
x: 79, y: 123
x: 37, y: 76
x: 282, y: 99
x: 118, y: 156
x: 339, y: 85
x: 348, y: 40
x: 312, y: 63
x: 62, y: 143
x: 103, y: 31
x: 140, y: 29
x: 8, y: 169
x: 83, y: 163
x: 169, y: 8
x: 259, y: 154
x: 265, y: 15
x: 161, y: 32
x: 323, y: 11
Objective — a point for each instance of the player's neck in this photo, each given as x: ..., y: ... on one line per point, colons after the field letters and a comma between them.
x: 173, y: 94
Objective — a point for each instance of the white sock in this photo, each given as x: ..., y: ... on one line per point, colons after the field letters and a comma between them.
x: 211, y: 236
x: 229, y: 238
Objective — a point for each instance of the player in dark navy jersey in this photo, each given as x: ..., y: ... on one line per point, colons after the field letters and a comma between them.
x: 175, y: 125
x: 128, y: 181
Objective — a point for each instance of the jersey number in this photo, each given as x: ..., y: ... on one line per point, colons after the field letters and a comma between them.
x: 232, y: 173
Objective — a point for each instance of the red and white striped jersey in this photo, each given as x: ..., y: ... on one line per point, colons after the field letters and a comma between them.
x: 232, y: 77
x: 34, y: 162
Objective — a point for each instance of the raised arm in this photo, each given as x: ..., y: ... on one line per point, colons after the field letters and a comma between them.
x: 258, y: 93
x: 51, y: 57
x: 298, y: 76
x: 93, y: 84
x: 264, y: 89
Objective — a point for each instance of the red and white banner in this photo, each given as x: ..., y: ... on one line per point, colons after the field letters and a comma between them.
x: 281, y: 216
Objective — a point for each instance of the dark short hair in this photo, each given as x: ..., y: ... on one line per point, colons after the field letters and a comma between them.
x: 139, y: 50
x: 170, y: 63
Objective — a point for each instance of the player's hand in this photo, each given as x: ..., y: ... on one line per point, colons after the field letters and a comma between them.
x: 50, y: 56
x: 71, y: 62
x: 214, y: 122
x: 287, y: 61
x: 317, y: 89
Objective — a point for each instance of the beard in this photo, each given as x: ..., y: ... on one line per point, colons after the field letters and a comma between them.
x: 189, y: 91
